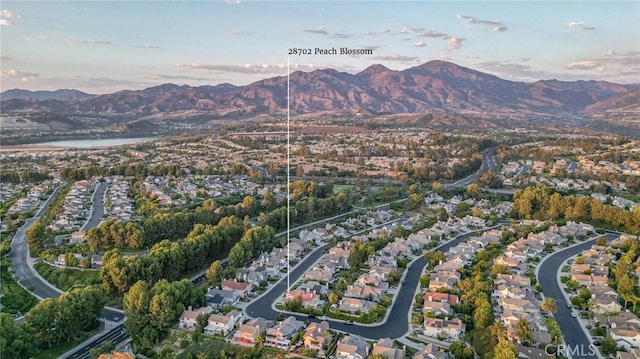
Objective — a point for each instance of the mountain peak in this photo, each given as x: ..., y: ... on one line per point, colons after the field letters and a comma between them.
x: 373, y: 69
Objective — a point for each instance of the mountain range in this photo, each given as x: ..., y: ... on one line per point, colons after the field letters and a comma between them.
x: 436, y: 87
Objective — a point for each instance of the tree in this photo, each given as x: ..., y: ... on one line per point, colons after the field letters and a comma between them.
x: 17, y: 340
x: 601, y: 241
x: 333, y: 298
x: 609, y: 345
x: 549, y: 305
x: 417, y: 319
x: 35, y: 235
x: 136, y: 307
x: 414, y: 201
x: 41, y: 318
x: 214, y: 274
x: 434, y: 258
x: 499, y: 269
x: 70, y: 260
x: 482, y: 315
x: 523, y: 332
x: 505, y: 350
x: 473, y: 191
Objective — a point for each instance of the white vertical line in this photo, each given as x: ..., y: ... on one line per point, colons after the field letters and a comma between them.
x: 288, y: 181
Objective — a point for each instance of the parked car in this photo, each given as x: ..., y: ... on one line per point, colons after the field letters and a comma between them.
x: 574, y: 315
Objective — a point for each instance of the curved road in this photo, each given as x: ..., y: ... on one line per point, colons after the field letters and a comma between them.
x: 27, y: 276
x: 574, y: 336
x: 397, y: 323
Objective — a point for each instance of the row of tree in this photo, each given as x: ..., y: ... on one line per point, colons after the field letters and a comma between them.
x: 169, y: 260
x: 53, y: 321
x: 152, y: 309
x: 539, y: 203
x: 112, y: 233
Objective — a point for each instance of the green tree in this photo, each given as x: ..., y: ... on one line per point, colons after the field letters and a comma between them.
x: 549, y: 305
x: 523, y: 332
x: 609, y: 346
x: 35, y: 235
x: 17, y: 340
x: 70, y: 260
x: 214, y: 274
x: 505, y: 350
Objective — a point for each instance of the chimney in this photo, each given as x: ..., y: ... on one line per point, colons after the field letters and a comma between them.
x: 190, y: 308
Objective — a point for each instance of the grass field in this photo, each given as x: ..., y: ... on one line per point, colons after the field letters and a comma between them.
x: 65, y: 278
x: 337, y: 188
x: 15, y: 299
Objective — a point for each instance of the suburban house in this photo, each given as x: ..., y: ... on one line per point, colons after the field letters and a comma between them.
x: 443, y: 328
x: 631, y: 354
x: 317, y: 336
x: 437, y: 308
x: 431, y: 351
x: 384, y: 347
x: 218, y: 298
x: 319, y: 273
x: 354, y: 305
x: 279, y: 336
x: 222, y: 324
x: 314, y: 287
x: 240, y: 288
x: 308, y: 299
x: 364, y: 291
x: 189, y: 318
x: 249, y: 332
x: 451, y: 299
x: 352, y: 347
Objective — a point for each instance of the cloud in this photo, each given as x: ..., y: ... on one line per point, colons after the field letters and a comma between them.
x: 398, y: 58
x: 243, y: 69
x: 5, y: 58
x: 5, y: 15
x: 374, y: 33
x: 581, y: 25
x: 420, y: 44
x: 89, y: 42
x: 514, y: 70
x: 495, y: 24
x: 408, y: 30
x: 19, y: 75
x: 236, y: 32
x: 341, y: 36
x: 629, y: 58
x: 175, y: 77
x: 35, y: 38
x: 150, y: 47
x: 8, y: 14
x: 319, y: 31
x: 455, y: 43
x: 433, y: 34
x: 585, y: 65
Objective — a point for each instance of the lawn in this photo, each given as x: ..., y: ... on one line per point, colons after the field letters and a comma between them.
x: 15, y: 299
x: 57, y: 351
x: 337, y: 188
x: 65, y: 278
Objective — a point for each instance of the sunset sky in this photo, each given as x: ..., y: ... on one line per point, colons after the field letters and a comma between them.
x: 101, y: 47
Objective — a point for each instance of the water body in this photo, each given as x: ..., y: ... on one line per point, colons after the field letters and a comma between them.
x: 107, y: 142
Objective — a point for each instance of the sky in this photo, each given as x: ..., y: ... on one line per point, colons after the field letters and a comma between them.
x: 107, y: 46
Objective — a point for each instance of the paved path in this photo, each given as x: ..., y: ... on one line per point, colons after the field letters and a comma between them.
x: 575, y: 334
